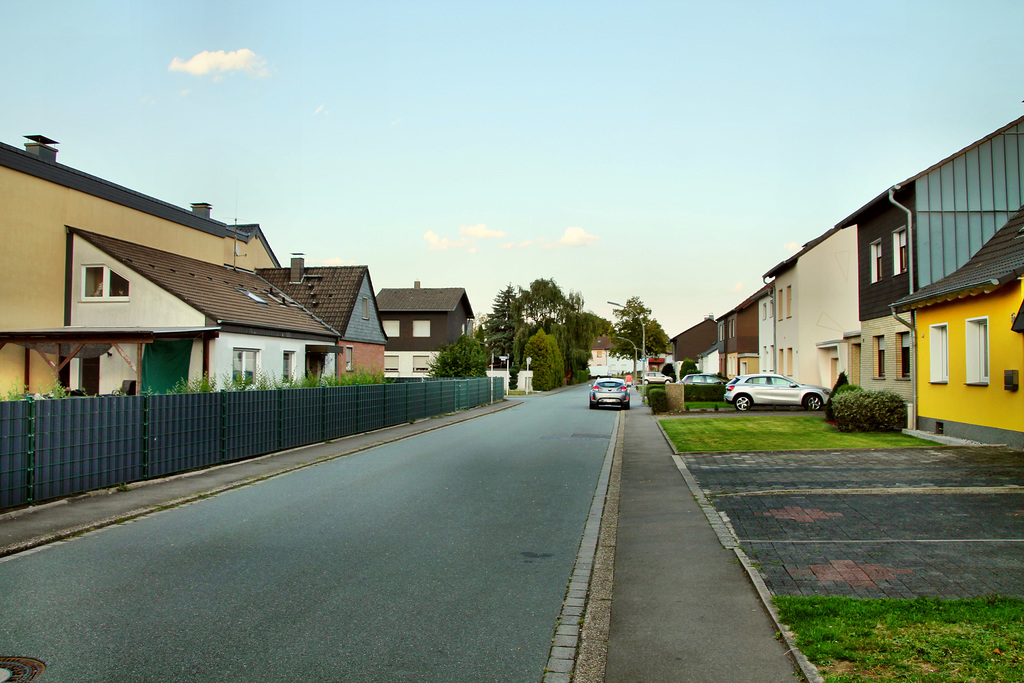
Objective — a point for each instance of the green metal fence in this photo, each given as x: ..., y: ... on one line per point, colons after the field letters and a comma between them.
x: 55, y: 448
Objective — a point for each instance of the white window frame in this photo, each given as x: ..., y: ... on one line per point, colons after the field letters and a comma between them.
x: 394, y: 326
x: 391, y: 363
x: 350, y: 353
x: 876, y: 260
x: 366, y: 308
x: 976, y: 350
x: 421, y: 328
x: 288, y: 366
x: 239, y: 366
x: 104, y: 293
x: 899, y: 252
x: 938, y: 340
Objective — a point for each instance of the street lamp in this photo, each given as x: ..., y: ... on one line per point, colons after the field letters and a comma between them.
x: 643, y: 333
x: 634, y: 352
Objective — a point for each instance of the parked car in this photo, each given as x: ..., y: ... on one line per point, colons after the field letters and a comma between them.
x: 609, y: 392
x: 746, y: 391
x: 656, y: 378
x: 701, y: 378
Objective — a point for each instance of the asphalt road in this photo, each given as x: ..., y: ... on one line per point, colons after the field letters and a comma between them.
x: 439, y: 558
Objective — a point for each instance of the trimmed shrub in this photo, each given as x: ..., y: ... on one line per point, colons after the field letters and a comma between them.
x: 869, y: 411
x: 513, y: 377
x: 704, y: 392
x: 657, y: 399
x: 688, y: 367
x: 667, y: 369
x: 839, y: 390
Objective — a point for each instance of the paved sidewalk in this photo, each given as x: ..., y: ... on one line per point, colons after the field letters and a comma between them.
x: 684, y: 608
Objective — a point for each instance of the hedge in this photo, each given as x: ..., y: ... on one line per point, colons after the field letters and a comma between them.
x: 657, y: 399
x: 704, y: 392
x: 869, y: 411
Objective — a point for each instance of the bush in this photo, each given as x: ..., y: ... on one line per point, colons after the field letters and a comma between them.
x: 688, y: 367
x: 546, y: 362
x: 513, y: 378
x: 464, y: 357
x: 869, y: 411
x: 669, y: 370
x: 841, y: 387
x: 704, y: 392
x: 657, y: 399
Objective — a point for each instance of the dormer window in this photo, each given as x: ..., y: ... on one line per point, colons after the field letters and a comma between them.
x: 100, y: 282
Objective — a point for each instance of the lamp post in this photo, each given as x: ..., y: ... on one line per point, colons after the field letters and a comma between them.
x: 643, y: 333
x: 634, y: 352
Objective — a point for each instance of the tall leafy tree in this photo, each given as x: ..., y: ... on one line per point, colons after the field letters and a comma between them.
x: 545, y: 361
x: 634, y: 322
x: 462, y: 358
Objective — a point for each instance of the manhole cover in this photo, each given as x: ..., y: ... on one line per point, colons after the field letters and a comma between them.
x: 18, y: 669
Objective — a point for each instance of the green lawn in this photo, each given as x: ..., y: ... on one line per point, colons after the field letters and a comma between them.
x: 773, y: 433
x: 930, y: 641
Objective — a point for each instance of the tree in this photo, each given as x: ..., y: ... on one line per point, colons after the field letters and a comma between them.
x: 688, y: 367
x: 667, y: 369
x: 634, y: 322
x: 545, y: 361
x: 500, y: 326
x: 462, y: 358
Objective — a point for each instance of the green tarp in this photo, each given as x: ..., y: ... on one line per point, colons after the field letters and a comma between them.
x: 164, y: 364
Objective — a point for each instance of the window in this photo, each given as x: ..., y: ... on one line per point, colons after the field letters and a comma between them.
x: 392, y: 328
x: 789, y: 361
x: 880, y: 356
x: 779, y: 307
x: 99, y: 282
x: 782, y: 363
x: 420, y: 363
x: 899, y: 251
x: 421, y: 328
x: 244, y: 365
x: 977, y: 351
x: 789, y: 301
x: 876, y: 261
x: 366, y: 308
x: 349, y: 352
x: 288, y: 366
x: 390, y: 363
x: 904, y: 341
x: 938, y: 339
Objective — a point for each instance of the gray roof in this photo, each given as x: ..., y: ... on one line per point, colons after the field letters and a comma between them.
x: 331, y: 292
x: 223, y: 294
x: 444, y: 300
x: 65, y: 176
x: 999, y: 261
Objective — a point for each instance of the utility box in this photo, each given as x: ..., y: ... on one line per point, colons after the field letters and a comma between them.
x: 1011, y: 380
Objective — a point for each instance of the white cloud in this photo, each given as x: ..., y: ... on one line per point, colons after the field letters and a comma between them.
x: 738, y: 287
x: 220, y: 62
x: 481, y: 231
x: 438, y: 243
x: 334, y: 261
x: 577, y: 237
x: 793, y: 247
x: 322, y: 109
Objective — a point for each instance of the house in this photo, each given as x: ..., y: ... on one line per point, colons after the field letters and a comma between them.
x: 690, y: 343
x: 709, y: 360
x: 970, y: 327
x: 41, y: 200
x: 199, y: 318
x: 738, y: 332
x: 418, y: 321
x: 766, y: 329
x: 815, y: 297
x: 341, y: 296
x: 920, y: 231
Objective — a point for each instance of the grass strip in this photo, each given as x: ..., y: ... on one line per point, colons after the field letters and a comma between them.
x: 925, y: 640
x: 774, y: 433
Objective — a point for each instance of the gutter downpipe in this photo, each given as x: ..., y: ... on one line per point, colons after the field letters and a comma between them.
x: 775, y: 327
x: 912, y: 324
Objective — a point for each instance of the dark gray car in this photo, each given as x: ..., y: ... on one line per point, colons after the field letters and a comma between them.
x: 746, y: 391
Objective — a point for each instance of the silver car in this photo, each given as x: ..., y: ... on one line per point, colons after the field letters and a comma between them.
x: 766, y: 389
x: 610, y: 391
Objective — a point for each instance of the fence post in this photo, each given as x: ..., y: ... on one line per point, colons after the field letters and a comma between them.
x: 144, y: 456
x: 223, y: 425
x: 30, y: 452
x: 280, y: 418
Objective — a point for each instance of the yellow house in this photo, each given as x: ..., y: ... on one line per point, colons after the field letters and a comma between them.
x: 970, y: 333
x: 41, y: 201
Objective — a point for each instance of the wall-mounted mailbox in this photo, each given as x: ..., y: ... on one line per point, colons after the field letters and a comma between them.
x: 1011, y: 380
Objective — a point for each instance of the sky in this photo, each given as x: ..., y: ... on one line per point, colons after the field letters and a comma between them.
x: 671, y: 151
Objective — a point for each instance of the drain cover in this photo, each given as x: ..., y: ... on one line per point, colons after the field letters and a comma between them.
x: 19, y: 669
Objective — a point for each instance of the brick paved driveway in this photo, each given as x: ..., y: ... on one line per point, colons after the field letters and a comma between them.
x: 925, y: 522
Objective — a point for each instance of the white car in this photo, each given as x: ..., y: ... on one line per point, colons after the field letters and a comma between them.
x: 656, y: 378
x: 746, y: 391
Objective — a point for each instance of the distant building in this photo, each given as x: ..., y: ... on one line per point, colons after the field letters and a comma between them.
x: 418, y: 321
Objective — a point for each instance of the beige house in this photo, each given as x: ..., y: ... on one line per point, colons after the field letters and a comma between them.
x: 816, y: 308
x: 42, y: 199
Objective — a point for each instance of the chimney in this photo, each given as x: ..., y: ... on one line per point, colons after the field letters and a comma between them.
x: 298, y: 265
x: 416, y: 284
x: 41, y: 146
x: 202, y: 209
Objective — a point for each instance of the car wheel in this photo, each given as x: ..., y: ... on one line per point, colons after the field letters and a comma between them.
x: 592, y: 406
x: 743, y: 402
x: 625, y: 407
x: 812, y: 402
